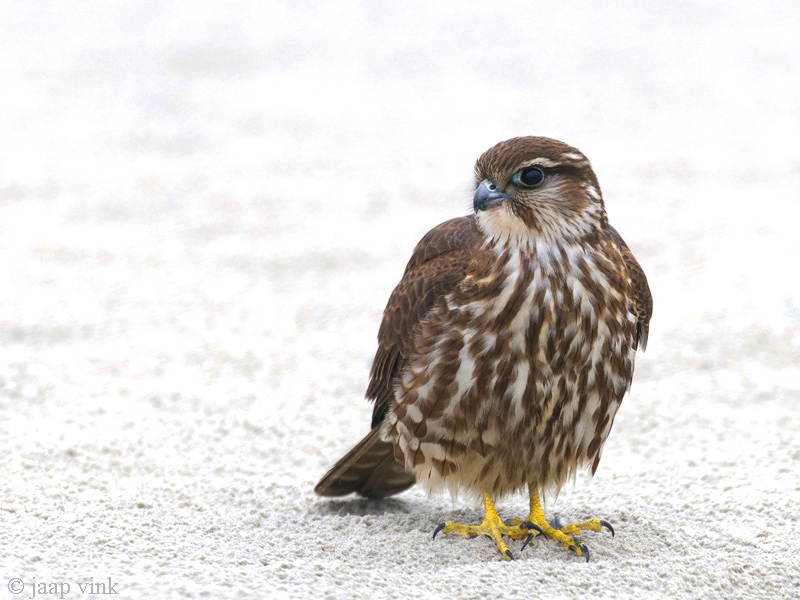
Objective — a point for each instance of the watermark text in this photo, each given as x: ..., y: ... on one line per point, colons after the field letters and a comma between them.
x: 59, y: 589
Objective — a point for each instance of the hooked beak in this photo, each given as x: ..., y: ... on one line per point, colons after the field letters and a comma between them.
x: 487, y: 195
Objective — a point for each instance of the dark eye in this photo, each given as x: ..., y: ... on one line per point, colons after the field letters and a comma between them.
x: 532, y: 176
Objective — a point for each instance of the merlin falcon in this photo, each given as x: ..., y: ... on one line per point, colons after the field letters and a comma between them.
x: 506, y: 348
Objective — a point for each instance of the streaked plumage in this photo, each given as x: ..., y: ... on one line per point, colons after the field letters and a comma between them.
x: 507, y: 346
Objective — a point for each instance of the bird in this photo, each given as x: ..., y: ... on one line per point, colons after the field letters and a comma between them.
x: 506, y: 348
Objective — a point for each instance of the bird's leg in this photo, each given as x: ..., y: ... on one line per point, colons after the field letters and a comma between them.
x: 492, y: 527
x: 537, y: 522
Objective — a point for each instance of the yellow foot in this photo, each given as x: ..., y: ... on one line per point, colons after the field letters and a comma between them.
x: 564, y: 534
x: 492, y: 527
x: 536, y: 524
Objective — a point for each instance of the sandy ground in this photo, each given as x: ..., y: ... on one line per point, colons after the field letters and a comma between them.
x: 204, y: 207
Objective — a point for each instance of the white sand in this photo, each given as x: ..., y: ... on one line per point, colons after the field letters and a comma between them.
x: 204, y: 207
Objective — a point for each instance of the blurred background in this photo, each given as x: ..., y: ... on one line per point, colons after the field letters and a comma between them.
x: 204, y: 207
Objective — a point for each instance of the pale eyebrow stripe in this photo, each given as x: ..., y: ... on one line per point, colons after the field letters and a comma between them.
x: 572, y: 160
x: 540, y: 162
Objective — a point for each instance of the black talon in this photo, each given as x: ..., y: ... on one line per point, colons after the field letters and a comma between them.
x: 438, y: 529
x: 530, y: 525
x: 608, y: 526
x: 527, y: 539
x: 585, y: 550
x: 509, y: 555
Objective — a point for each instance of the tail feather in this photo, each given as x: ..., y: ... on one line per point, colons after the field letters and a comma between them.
x: 369, y: 469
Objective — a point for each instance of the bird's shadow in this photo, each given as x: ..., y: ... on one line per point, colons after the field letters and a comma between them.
x: 361, y: 507
x: 416, y: 509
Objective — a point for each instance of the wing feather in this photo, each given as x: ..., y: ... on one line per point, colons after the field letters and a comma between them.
x: 438, y: 264
x: 642, y: 298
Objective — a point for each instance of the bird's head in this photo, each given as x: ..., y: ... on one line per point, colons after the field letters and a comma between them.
x: 536, y: 187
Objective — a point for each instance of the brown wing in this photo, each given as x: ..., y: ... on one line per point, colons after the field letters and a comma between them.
x: 438, y: 265
x: 642, y: 299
